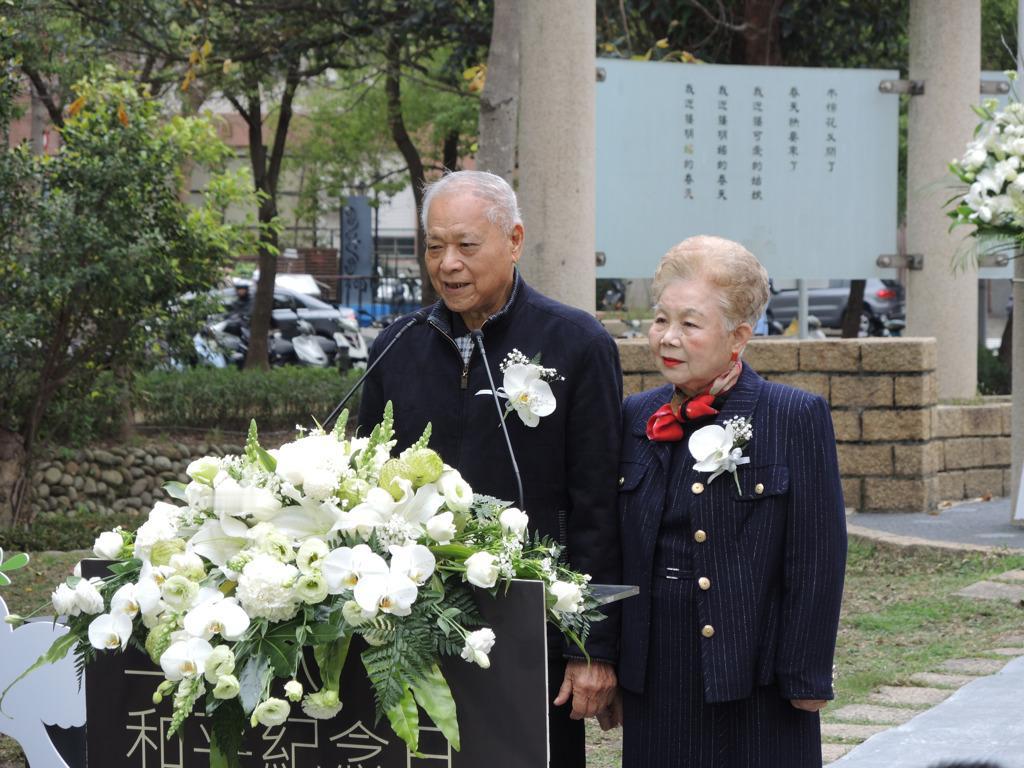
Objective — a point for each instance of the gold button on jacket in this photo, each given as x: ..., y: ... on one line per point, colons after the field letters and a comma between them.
x: 697, y: 487
x: 700, y: 537
x: 708, y: 630
x: 704, y: 582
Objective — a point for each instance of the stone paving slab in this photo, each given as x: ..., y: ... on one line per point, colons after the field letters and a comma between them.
x: 908, y: 696
x: 872, y: 713
x: 1008, y: 651
x: 993, y: 590
x: 980, y: 722
x: 850, y: 731
x: 939, y: 679
x: 973, y: 666
x: 1011, y: 576
x: 830, y: 752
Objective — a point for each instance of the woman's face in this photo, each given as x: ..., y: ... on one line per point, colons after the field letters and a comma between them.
x: 688, y: 338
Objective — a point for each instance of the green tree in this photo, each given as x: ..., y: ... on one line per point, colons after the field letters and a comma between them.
x: 96, y: 246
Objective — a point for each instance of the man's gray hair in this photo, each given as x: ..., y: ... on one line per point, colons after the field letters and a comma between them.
x: 502, y: 208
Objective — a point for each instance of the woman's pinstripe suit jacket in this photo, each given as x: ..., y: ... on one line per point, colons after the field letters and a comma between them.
x: 775, y: 552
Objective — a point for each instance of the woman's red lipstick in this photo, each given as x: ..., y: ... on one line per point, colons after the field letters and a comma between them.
x: 671, y: 362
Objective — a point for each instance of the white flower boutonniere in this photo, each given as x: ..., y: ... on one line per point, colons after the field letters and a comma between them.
x: 719, y: 449
x: 525, y: 386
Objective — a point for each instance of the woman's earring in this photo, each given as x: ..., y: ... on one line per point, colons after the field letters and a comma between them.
x: 735, y: 356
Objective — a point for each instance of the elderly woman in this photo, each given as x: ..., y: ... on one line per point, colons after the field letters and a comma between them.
x: 733, y: 526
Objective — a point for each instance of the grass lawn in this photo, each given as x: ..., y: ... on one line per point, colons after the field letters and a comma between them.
x: 899, y: 618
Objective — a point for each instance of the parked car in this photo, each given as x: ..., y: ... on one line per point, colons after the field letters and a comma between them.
x: 291, y: 306
x: 884, y: 300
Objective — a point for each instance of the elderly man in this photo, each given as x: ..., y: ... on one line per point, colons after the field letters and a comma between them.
x: 568, y: 457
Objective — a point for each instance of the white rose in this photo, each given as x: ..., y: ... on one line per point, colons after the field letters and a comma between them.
x: 478, y: 645
x: 441, y: 528
x: 482, y: 570
x: 271, y: 712
x: 514, y: 521
x: 108, y: 546
x: 568, y: 597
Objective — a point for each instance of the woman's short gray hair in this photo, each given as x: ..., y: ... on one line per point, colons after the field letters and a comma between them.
x: 727, y: 265
x: 502, y: 209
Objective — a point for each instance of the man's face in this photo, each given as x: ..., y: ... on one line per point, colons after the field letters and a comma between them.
x: 469, y: 259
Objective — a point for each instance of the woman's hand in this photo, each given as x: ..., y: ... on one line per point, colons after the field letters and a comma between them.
x: 809, y: 705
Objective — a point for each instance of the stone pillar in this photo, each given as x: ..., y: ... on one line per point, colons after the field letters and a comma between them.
x: 556, y: 148
x: 945, y: 52
x: 1017, y: 360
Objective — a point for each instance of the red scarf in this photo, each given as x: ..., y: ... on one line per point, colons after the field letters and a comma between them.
x: 667, y: 424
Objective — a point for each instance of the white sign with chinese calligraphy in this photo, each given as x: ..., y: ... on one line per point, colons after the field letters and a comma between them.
x: 798, y: 164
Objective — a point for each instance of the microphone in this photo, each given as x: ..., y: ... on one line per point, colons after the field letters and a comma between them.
x: 417, y: 318
x: 478, y: 337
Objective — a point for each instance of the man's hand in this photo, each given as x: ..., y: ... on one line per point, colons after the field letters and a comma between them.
x: 592, y: 687
x: 809, y: 705
x: 612, y: 717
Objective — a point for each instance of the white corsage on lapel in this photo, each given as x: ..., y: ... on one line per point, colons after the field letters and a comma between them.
x: 525, y: 387
x: 719, y: 448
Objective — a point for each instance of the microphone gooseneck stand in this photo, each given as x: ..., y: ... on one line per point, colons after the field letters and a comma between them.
x: 478, y: 337
x: 416, y: 319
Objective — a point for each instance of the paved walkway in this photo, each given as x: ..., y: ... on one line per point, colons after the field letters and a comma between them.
x: 970, y: 523
x: 980, y: 721
x: 966, y: 710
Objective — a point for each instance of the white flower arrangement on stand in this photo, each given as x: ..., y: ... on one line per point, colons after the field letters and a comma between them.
x: 992, y: 168
x: 307, y: 546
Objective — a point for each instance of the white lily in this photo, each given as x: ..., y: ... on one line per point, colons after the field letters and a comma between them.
x: 216, y: 544
x: 364, y: 517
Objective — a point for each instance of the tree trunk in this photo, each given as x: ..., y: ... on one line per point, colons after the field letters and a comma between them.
x: 417, y: 177
x: 854, y: 307
x: 14, y: 474
x: 760, y: 34
x: 450, y: 152
x: 499, y: 102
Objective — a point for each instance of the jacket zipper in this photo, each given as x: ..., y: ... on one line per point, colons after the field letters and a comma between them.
x: 464, y: 379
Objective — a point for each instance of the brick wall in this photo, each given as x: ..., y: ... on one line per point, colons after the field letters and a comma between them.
x: 898, y: 449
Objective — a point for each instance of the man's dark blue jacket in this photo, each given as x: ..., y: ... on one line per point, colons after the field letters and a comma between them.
x: 774, y: 550
x: 568, y: 462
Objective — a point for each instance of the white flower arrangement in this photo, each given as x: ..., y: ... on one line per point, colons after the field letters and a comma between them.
x: 719, y: 448
x: 324, y: 538
x: 992, y: 167
x: 525, y: 386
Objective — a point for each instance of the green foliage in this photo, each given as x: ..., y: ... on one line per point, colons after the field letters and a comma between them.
x: 229, y: 399
x: 998, y: 34
x: 64, y: 532
x: 433, y: 694
x: 99, y: 244
x: 993, y: 373
x: 405, y: 720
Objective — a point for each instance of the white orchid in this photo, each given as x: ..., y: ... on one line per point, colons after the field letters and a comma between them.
x: 392, y: 592
x: 110, y: 631
x: 525, y: 387
x: 344, y: 567
x: 414, y: 560
x: 715, y: 450
x: 217, y: 616
x: 124, y: 602
x: 185, y: 658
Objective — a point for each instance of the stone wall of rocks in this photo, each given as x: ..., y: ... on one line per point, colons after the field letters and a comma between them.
x: 899, y: 450
x: 114, y: 478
